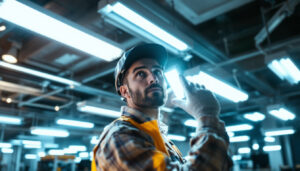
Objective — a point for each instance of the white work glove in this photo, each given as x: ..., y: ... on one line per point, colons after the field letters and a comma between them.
x: 199, y: 101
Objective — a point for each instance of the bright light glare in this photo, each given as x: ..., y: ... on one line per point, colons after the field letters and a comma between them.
x: 176, y: 137
x: 29, y: 142
x: 32, y: 146
x: 236, y: 157
x: 244, y: 150
x: 282, y: 114
x: 39, y: 74
x: 5, y: 145
x: 255, y: 146
x: 285, y: 69
x: 7, y: 150
x: 36, y: 21
x: 77, y: 160
x: 69, y: 151
x: 191, y: 123
x: 269, y: 139
x: 9, y: 58
x: 99, y: 111
x: 75, y: 123
x: 95, y: 140
x: 84, y: 155
x: 236, y: 128
x: 2, y: 27
x: 175, y: 83
x: 230, y: 134
x: 50, y: 145
x: 30, y: 156
x: 280, y: 132
x: 239, y: 139
x: 10, y: 120
x: 255, y: 116
x: 144, y: 24
x: 49, y: 132
x: 272, y: 148
x: 218, y: 87
x: 56, y: 152
x: 77, y: 147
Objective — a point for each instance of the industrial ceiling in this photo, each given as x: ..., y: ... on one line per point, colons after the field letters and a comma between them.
x: 229, y: 39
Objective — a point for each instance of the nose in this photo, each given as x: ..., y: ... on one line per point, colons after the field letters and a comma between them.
x: 153, y: 78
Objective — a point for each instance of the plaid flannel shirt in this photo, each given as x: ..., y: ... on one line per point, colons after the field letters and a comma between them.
x: 123, y: 146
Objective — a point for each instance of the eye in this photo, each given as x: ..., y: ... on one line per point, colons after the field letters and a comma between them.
x: 141, y: 74
x: 158, y: 72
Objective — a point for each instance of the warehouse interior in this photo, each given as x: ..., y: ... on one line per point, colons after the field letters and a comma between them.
x: 53, y: 79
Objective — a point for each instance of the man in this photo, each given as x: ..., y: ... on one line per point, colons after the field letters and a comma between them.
x: 135, y: 141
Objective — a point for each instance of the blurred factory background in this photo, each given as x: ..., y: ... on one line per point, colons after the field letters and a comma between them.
x: 58, y: 59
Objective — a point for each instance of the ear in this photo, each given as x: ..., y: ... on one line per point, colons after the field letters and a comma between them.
x: 124, y: 91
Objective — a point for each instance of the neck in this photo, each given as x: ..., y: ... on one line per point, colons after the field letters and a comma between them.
x: 150, y: 112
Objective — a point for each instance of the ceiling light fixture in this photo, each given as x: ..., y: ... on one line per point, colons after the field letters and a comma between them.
x: 175, y: 83
x: 255, y: 116
x: 49, y: 132
x: 39, y: 74
x: 75, y: 123
x: 279, y: 132
x: 87, y: 108
x: 10, y: 120
x: 285, y: 69
x: 30, y: 17
x: 282, y: 114
x: 241, y: 127
x: 176, y: 137
x: 223, y: 89
x: 239, y: 139
x: 133, y: 21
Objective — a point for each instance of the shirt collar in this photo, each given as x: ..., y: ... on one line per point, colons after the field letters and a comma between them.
x: 141, y: 117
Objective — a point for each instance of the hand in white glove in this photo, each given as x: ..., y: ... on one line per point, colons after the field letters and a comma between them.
x: 199, y: 101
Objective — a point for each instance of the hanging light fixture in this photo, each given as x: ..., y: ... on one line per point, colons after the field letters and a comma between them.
x: 11, y: 55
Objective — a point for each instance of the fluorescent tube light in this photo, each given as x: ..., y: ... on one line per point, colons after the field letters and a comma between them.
x: 191, y: 123
x: 11, y: 120
x: 175, y: 84
x: 7, y: 150
x: 56, y: 152
x: 255, y: 146
x: 230, y: 134
x: 77, y: 147
x: 269, y: 139
x: 29, y: 142
x: 142, y: 26
x: 176, y: 137
x: 236, y: 157
x: 41, y: 23
x: 69, y: 151
x: 279, y: 132
x: 244, y: 150
x: 5, y: 145
x: 83, y: 154
x: 282, y: 114
x: 32, y: 146
x: 39, y: 74
x: 49, y: 132
x: 272, y: 148
x: 218, y: 87
x: 74, y: 123
x: 285, y: 69
x: 77, y: 160
x: 255, y: 116
x: 236, y: 128
x: 49, y: 145
x: 83, y: 107
x: 239, y: 139
x: 30, y: 156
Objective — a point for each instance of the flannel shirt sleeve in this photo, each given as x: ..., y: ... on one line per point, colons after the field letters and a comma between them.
x: 129, y: 149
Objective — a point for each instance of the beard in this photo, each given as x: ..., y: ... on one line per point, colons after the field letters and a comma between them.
x: 146, y: 99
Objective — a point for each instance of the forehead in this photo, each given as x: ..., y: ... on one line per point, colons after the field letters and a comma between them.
x: 147, y: 62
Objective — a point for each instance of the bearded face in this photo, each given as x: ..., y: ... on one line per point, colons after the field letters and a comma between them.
x: 145, y: 83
